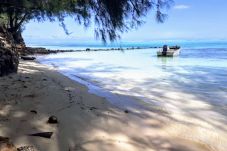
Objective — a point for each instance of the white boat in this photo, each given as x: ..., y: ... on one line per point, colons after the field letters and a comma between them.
x: 168, y: 51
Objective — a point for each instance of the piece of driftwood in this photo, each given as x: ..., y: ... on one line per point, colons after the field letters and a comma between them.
x: 27, y: 58
x: 34, y: 111
x: 43, y: 134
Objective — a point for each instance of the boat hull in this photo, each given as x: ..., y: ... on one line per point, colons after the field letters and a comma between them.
x: 169, y: 53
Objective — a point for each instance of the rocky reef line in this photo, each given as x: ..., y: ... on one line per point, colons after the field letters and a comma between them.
x: 41, y: 50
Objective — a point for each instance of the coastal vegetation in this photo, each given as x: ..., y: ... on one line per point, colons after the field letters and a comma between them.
x: 110, y: 17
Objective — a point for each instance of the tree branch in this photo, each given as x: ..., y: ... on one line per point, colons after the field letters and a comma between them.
x: 18, y: 25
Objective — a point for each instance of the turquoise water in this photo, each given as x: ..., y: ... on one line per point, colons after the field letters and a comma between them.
x: 95, y: 45
x: 200, y: 71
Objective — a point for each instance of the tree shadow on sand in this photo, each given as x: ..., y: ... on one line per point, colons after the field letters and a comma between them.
x: 85, y: 125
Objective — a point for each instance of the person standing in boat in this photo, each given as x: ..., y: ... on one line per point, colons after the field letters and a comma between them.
x: 165, y: 49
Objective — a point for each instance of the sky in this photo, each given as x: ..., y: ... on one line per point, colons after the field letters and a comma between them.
x: 187, y: 20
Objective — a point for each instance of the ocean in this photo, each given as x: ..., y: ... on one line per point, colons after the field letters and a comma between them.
x: 65, y: 45
x: 200, y: 70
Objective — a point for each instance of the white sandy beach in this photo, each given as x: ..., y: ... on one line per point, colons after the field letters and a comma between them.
x: 89, y: 122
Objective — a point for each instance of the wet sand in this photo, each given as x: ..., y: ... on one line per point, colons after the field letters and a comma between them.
x: 90, y: 122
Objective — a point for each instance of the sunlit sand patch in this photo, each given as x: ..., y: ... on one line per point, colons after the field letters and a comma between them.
x: 69, y: 89
x: 19, y: 114
x: 103, y: 140
x: 208, y: 137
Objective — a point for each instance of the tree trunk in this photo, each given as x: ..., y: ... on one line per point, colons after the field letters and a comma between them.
x: 18, y: 39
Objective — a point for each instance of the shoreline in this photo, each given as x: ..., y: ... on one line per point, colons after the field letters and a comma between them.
x: 120, y: 101
x: 86, y: 121
x: 45, y: 51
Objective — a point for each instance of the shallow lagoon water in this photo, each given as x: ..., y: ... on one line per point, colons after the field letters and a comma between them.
x: 137, y: 72
x: 190, y: 88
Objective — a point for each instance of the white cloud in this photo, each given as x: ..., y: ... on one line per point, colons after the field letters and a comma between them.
x: 182, y: 6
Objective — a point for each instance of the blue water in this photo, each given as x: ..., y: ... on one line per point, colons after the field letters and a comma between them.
x: 199, y: 72
x: 95, y: 45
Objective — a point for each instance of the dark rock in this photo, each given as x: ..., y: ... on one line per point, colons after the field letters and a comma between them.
x: 43, y: 134
x: 8, y: 61
x: 6, y: 38
x: 53, y: 120
x: 4, y: 139
x: 93, y: 108
x: 32, y: 51
x: 33, y: 111
x: 126, y: 111
x: 27, y: 58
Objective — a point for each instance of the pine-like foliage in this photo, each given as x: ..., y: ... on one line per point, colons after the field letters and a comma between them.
x: 111, y: 17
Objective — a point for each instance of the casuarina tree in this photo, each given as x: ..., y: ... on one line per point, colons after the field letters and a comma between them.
x: 111, y: 17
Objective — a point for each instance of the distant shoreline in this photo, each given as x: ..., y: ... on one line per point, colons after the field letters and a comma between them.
x: 42, y: 50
